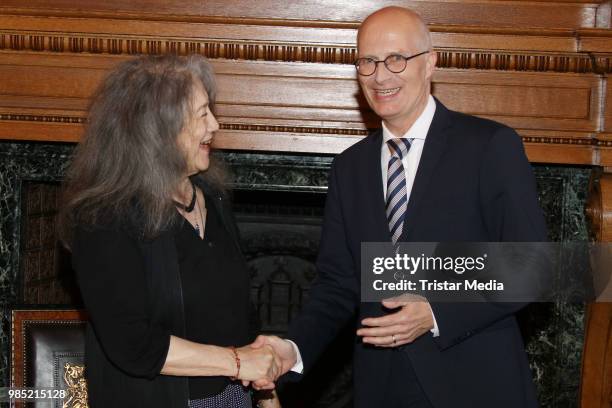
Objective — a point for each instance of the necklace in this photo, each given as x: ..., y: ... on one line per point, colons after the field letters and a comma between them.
x: 188, y: 208
x: 202, y: 214
x: 197, y: 225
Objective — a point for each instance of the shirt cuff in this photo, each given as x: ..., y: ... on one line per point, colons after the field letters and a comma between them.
x: 299, y: 364
x: 435, y: 331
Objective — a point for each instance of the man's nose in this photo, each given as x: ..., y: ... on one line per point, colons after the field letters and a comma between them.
x: 382, y: 73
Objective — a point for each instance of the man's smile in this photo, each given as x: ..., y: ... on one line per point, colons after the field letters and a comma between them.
x: 386, y: 92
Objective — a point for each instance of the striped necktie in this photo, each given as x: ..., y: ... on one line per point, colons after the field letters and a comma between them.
x: 397, y: 198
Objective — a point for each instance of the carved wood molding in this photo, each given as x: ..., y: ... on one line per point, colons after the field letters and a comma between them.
x: 117, y: 45
x: 232, y: 126
x: 603, y: 64
x: 484, y: 59
x: 599, y: 207
x: 517, y: 61
x: 42, y: 118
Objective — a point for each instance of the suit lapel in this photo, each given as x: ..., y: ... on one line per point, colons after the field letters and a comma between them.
x: 435, y: 145
x: 374, y: 201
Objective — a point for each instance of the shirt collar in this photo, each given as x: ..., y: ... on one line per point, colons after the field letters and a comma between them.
x: 419, y: 128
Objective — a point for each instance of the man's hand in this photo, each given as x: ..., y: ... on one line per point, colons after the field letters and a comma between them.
x: 413, y: 319
x: 284, y: 352
x: 258, y: 364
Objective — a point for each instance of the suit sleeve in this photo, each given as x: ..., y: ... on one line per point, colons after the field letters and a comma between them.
x: 111, y: 276
x: 334, y: 295
x: 510, y: 213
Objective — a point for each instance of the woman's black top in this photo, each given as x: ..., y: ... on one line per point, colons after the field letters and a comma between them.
x: 137, y: 296
x: 215, y: 293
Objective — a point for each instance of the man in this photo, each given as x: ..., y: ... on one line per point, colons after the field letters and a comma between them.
x: 429, y: 175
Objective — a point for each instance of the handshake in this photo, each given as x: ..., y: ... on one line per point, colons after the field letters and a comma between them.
x: 261, y: 363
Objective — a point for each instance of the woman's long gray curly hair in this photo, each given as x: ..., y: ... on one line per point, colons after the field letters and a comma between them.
x: 129, y: 158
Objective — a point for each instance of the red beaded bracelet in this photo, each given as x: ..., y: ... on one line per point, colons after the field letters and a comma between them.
x: 237, y: 363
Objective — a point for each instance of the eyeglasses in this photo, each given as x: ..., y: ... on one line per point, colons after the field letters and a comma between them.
x: 395, y: 63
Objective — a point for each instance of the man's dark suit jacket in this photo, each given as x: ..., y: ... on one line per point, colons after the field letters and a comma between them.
x: 473, y: 183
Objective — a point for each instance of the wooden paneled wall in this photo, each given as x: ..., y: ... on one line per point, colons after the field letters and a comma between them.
x: 285, y: 67
x: 287, y: 82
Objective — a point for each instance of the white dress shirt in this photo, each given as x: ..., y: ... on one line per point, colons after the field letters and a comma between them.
x: 417, y: 134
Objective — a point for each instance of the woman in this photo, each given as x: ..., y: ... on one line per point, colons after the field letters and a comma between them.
x: 155, y: 247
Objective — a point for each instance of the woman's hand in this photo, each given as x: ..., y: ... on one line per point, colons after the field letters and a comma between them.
x: 258, y: 363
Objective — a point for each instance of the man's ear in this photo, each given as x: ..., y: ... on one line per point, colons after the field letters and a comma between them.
x: 432, y: 57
